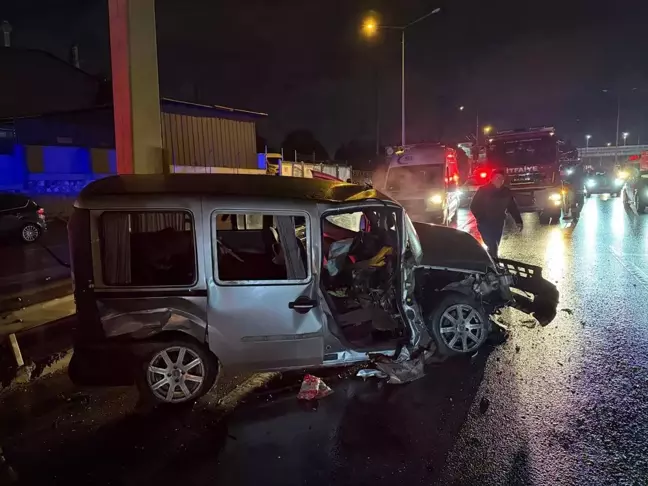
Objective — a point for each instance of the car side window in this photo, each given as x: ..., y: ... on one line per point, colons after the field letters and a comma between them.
x: 261, y: 247
x: 148, y: 248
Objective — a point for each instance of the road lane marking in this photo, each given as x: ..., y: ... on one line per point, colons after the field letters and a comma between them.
x: 633, y: 269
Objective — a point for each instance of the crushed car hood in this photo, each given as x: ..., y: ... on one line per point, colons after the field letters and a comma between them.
x: 451, y: 248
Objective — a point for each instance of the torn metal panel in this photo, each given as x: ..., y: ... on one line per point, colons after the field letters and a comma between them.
x: 404, y: 369
x: 142, y: 318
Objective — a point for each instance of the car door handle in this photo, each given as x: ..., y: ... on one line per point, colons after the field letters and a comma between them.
x: 302, y: 305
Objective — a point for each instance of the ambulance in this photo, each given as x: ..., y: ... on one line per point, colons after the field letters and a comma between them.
x: 424, y: 179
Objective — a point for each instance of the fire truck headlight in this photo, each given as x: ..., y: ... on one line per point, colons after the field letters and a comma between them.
x: 555, y: 197
x: 570, y: 171
x: 618, y: 182
x: 436, y: 199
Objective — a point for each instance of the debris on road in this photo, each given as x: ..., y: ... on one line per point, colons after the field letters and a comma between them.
x: 368, y: 373
x: 313, y: 388
x: 567, y: 311
x: 529, y: 323
x: 404, y: 369
x: 484, y: 403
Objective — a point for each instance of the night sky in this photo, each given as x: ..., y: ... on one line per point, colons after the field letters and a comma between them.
x: 306, y: 63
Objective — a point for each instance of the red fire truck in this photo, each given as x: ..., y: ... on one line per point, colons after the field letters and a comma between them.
x: 530, y: 158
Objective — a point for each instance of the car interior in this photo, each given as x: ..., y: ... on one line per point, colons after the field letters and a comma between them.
x: 360, y: 252
x: 250, y: 247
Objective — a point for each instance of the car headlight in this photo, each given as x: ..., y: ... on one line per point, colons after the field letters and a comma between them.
x: 570, y: 171
x: 436, y: 199
x: 556, y: 197
x: 623, y: 174
x: 590, y: 183
x: 618, y: 182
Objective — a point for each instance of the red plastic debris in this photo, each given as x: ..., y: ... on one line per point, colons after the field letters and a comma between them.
x: 313, y: 388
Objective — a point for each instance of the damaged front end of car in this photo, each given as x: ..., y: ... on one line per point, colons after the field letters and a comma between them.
x: 458, y: 287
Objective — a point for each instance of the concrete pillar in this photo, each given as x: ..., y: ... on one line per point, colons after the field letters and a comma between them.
x: 136, y: 93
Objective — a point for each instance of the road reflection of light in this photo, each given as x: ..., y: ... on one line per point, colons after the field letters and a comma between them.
x: 555, y: 255
x: 618, y: 221
x: 589, y: 220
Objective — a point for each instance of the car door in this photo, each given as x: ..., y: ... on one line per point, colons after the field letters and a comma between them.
x: 263, y: 311
x: 10, y: 207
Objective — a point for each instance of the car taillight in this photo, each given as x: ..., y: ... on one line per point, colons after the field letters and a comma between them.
x: 483, y: 175
x: 41, y: 213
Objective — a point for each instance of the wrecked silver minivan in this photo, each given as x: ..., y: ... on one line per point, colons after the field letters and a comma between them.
x: 180, y: 276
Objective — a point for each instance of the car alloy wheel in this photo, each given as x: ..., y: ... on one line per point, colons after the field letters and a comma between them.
x: 30, y: 233
x: 462, y: 328
x: 176, y: 374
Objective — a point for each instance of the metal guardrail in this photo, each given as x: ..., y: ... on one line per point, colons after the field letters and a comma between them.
x: 623, y: 151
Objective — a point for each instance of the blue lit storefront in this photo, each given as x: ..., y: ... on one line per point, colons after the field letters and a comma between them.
x: 56, y: 154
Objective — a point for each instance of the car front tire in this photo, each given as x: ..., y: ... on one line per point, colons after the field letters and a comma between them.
x: 177, y: 372
x: 458, y: 325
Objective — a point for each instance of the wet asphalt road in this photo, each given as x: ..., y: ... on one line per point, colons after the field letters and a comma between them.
x: 565, y: 404
x: 29, y: 266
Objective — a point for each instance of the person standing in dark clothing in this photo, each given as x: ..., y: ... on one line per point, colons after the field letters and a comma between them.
x: 489, y: 206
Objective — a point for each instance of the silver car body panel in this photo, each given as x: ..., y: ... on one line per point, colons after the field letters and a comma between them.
x: 246, y: 324
x: 142, y: 318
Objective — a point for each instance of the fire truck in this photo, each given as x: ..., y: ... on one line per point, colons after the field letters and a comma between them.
x: 530, y: 158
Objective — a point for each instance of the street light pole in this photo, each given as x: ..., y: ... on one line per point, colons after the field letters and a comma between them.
x: 587, y: 139
x: 616, y: 152
x: 403, y: 86
x: 370, y: 28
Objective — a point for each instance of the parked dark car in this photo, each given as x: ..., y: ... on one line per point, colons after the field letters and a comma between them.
x: 21, y: 217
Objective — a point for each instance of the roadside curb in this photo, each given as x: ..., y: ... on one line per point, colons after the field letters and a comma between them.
x: 228, y: 402
x: 36, y: 295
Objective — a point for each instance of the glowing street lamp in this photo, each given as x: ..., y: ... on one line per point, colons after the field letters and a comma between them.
x: 371, y: 26
x: 487, y: 129
x: 609, y: 144
x: 625, y: 138
x: 587, y: 139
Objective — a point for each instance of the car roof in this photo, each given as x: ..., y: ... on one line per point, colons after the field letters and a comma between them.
x: 230, y: 185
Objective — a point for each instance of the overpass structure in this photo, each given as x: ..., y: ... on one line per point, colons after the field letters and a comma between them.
x: 608, y: 156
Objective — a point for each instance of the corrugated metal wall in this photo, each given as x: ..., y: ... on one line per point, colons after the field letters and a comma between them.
x: 208, y: 142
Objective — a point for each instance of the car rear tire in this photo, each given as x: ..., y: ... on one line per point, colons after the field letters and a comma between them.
x: 29, y: 233
x: 458, y: 325
x: 177, y: 372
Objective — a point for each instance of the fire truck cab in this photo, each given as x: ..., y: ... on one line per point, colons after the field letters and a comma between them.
x: 531, y: 160
x: 424, y: 179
